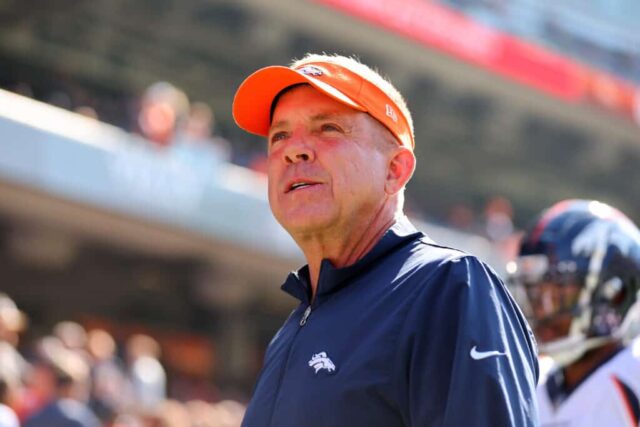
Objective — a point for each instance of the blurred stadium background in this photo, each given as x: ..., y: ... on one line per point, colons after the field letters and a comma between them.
x: 130, y: 202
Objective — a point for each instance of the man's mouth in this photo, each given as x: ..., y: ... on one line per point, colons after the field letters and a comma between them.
x: 300, y: 185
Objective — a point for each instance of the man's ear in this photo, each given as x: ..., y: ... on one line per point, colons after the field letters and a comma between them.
x: 402, y: 163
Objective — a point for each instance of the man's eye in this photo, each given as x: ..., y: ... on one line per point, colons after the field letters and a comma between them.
x: 278, y: 136
x: 329, y: 127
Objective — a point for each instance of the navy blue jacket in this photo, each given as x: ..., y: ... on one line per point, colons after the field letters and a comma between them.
x: 413, y: 334
x: 64, y: 413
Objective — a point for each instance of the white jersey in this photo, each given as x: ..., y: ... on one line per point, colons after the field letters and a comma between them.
x: 609, y: 397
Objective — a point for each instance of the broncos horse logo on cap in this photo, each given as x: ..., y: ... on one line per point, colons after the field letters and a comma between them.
x: 311, y: 70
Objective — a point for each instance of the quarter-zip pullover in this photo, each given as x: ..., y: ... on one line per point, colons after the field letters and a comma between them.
x: 413, y: 334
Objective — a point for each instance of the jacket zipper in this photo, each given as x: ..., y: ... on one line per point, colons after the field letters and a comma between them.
x: 305, y: 316
x: 303, y: 321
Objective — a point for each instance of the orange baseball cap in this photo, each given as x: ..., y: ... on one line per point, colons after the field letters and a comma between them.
x: 254, y: 98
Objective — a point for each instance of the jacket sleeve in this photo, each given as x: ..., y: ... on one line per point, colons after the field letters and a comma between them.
x: 467, y: 356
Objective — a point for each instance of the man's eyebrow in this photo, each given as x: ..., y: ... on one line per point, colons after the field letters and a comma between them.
x: 278, y: 124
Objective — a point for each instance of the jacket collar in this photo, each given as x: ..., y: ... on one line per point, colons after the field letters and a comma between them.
x: 332, y: 279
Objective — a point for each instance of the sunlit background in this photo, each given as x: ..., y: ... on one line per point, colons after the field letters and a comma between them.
x: 132, y: 205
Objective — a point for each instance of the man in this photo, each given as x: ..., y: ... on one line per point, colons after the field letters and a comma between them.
x: 60, y: 379
x: 392, y: 329
x: 579, y: 266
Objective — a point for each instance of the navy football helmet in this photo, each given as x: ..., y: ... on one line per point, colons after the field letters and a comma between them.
x: 577, y: 277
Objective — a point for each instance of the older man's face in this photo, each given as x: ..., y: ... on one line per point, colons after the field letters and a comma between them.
x: 325, y: 172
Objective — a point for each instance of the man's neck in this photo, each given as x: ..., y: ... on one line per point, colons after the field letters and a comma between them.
x: 344, y: 248
x: 577, y: 372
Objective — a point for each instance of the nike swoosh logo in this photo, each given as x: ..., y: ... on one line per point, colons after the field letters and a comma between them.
x: 479, y: 355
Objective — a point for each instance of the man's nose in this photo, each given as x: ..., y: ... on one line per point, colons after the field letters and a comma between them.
x: 298, y: 150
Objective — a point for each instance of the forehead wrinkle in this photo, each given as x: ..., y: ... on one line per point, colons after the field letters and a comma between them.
x: 324, y: 116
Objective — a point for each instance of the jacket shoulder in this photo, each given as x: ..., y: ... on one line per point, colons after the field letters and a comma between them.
x: 433, y: 254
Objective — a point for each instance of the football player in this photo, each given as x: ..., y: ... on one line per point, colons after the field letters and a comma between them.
x: 577, y: 276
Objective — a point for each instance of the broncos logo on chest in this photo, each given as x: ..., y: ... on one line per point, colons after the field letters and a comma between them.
x: 321, y: 361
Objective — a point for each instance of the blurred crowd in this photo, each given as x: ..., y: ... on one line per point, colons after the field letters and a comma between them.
x: 162, y: 114
x: 76, y: 377
x: 495, y: 222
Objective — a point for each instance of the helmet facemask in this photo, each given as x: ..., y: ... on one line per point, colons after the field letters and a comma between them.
x: 549, y: 293
x: 572, y: 313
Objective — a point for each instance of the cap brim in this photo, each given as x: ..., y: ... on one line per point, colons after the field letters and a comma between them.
x: 252, y: 102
